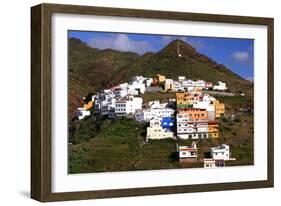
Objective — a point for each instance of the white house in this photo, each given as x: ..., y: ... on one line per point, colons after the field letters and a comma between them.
x: 94, y: 98
x: 212, y: 163
x: 221, y: 86
x: 200, y: 83
x: 181, y: 78
x: 188, y: 129
x: 155, y: 110
x: 147, y: 114
x: 220, y: 152
x: 81, y: 113
x: 148, y: 82
x: 188, y: 84
x: 188, y: 151
x: 104, y: 102
x: 207, y: 102
x: 127, y: 105
x: 121, y: 90
x: 178, y: 86
x: 204, y: 105
x: 136, y: 88
x: 139, y: 79
x: 169, y: 81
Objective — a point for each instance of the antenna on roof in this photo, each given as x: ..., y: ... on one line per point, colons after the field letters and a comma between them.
x: 178, y: 49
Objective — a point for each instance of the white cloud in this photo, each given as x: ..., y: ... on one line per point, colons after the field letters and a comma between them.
x: 120, y: 42
x: 241, y: 56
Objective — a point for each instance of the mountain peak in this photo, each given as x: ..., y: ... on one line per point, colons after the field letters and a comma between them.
x: 182, y: 49
x: 179, y: 48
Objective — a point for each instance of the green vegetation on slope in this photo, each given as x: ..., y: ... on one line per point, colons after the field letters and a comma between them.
x: 91, y: 69
x: 119, y: 145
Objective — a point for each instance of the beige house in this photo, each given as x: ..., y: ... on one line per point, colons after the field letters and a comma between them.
x: 157, y: 132
x: 219, y: 108
x: 160, y: 78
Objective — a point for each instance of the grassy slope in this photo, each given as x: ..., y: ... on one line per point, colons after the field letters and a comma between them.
x: 91, y: 69
x: 120, y: 145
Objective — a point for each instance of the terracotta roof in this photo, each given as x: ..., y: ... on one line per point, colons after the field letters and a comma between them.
x: 188, y: 149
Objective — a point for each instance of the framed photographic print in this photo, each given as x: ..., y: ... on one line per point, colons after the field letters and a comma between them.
x: 132, y: 102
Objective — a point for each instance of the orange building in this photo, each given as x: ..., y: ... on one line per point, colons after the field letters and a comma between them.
x: 219, y: 108
x: 89, y: 105
x: 194, y: 114
x: 213, y: 129
x: 184, y: 98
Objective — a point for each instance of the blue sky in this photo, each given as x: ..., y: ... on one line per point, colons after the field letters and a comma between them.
x: 235, y: 54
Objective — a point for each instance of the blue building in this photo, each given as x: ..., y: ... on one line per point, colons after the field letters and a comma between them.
x: 168, y: 123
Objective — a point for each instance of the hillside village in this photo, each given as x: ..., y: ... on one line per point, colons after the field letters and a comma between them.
x: 192, y: 114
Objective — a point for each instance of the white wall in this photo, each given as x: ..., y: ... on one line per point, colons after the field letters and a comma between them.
x: 15, y: 95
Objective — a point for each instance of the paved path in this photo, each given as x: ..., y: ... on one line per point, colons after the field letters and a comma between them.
x: 220, y: 93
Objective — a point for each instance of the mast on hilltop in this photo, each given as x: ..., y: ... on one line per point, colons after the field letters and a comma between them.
x: 178, y: 49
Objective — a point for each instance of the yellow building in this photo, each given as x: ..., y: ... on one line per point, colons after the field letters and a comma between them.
x: 89, y: 105
x: 219, y: 108
x: 213, y: 129
x: 161, y: 78
x: 184, y: 98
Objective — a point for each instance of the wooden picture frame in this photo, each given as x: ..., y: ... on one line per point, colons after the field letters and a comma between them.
x: 41, y: 173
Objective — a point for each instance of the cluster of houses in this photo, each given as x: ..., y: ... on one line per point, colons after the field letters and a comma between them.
x: 196, y: 115
x: 121, y: 100
x: 190, y: 115
x: 183, y: 84
x: 124, y: 99
x: 218, y: 155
